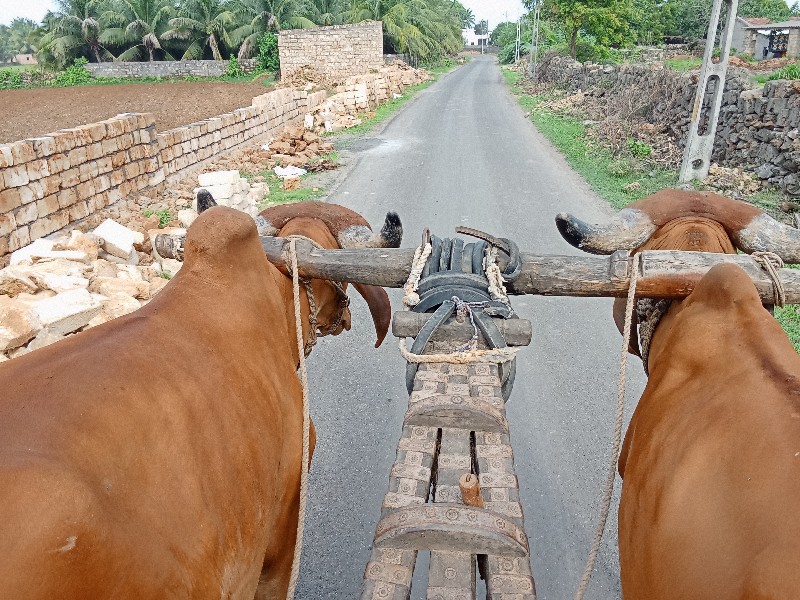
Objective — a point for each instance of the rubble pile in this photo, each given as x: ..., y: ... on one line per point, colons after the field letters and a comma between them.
x: 732, y: 182
x: 228, y: 188
x: 53, y: 288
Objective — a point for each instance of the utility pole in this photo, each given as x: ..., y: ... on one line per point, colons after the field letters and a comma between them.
x: 516, y: 48
x: 533, y: 59
x: 700, y: 145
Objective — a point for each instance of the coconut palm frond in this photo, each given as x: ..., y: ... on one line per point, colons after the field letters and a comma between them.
x: 134, y: 53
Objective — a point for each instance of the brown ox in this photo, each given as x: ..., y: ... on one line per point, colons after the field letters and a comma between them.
x: 710, y: 505
x: 158, y: 456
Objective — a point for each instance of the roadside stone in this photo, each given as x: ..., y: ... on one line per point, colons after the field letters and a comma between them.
x: 171, y: 266
x: 215, y: 178
x: 113, y: 308
x: 108, y: 286
x: 187, y: 216
x: 156, y: 285
x: 103, y: 268
x: 44, y: 338
x: 118, y: 240
x: 19, y: 323
x: 38, y: 246
x: 68, y: 311
x: 58, y: 283
x: 14, y: 282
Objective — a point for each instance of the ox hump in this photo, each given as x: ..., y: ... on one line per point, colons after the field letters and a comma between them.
x: 220, y: 234
x: 724, y: 285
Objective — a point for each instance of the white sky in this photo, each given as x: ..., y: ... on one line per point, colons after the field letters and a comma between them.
x: 29, y: 9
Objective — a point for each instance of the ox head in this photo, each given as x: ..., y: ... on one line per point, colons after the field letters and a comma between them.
x: 682, y: 220
x: 332, y: 226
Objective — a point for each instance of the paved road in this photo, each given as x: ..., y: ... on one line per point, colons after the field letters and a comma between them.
x: 462, y: 153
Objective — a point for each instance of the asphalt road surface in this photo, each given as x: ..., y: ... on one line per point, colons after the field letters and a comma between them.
x: 462, y: 153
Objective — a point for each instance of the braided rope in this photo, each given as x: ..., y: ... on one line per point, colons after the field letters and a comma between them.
x: 497, y: 290
x: 488, y: 355
x: 421, y: 254
x: 617, y: 439
x: 771, y: 262
x: 298, y: 544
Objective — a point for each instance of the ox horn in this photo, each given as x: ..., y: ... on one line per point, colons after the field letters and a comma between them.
x: 628, y: 229
x: 765, y: 234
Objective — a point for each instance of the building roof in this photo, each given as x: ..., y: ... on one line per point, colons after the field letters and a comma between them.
x: 781, y: 25
x: 755, y: 20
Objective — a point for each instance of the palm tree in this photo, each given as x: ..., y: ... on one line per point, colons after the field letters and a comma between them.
x: 261, y: 16
x: 137, y: 22
x: 325, y: 12
x: 201, y: 23
x: 74, y: 31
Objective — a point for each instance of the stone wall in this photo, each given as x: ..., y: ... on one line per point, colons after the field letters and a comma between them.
x: 49, y: 182
x: 758, y: 129
x: 166, y: 68
x: 336, y: 52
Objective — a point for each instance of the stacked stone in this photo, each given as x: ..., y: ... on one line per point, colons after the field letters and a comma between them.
x: 50, y: 181
x: 335, y: 52
x: 230, y: 189
x: 56, y: 287
x: 185, y: 146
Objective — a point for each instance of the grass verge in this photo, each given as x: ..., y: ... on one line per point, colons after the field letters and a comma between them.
x: 619, y: 181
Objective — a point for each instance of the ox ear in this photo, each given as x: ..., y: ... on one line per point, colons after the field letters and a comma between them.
x: 379, y: 306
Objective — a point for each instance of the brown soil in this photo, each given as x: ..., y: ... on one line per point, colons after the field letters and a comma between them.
x: 31, y: 113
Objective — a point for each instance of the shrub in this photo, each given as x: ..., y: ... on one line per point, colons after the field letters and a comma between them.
x: 268, y: 59
x: 234, y: 68
x: 74, y: 74
x: 10, y: 79
x: 639, y: 149
x: 621, y: 167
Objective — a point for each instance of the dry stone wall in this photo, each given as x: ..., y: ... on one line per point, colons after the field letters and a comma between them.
x: 758, y: 129
x: 336, y: 52
x: 166, y: 68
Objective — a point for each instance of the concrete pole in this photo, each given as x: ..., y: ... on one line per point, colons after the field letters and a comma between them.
x: 699, y: 147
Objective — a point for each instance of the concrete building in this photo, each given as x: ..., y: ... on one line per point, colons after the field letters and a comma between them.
x: 772, y: 40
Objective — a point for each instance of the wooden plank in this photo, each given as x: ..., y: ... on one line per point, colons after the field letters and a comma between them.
x: 457, y: 411
x: 517, y: 332
x: 451, y: 574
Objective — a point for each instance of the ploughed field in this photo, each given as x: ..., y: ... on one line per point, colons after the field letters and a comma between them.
x: 31, y: 113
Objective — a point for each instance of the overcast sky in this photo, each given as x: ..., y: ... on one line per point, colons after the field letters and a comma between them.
x: 494, y: 11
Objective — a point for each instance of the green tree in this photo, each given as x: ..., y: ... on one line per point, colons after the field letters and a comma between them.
x: 258, y: 17
x: 5, y: 44
x: 21, y: 34
x: 74, y: 31
x: 481, y: 27
x: 606, y: 20
x: 325, y: 12
x: 775, y: 10
x: 202, y: 23
x: 137, y: 25
x: 467, y: 16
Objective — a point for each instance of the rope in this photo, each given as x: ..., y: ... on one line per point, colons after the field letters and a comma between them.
x: 617, y: 439
x: 298, y: 544
x: 489, y: 355
x: 771, y: 262
x: 421, y: 254
x: 496, y: 288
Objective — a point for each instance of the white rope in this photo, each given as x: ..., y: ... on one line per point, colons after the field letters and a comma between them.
x: 298, y: 544
x: 771, y: 262
x: 488, y: 355
x: 421, y: 254
x: 617, y: 439
x: 496, y: 288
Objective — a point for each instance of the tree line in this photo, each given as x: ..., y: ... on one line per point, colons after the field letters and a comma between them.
x: 135, y: 30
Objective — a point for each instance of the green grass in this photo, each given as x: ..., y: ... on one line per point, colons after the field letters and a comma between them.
x: 277, y: 195
x: 789, y: 319
x: 164, y: 216
x: 684, y: 64
x: 619, y: 181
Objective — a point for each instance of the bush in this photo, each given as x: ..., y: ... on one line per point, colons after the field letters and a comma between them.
x: 639, y: 149
x: 10, y: 79
x: 621, y: 167
x: 268, y: 59
x: 234, y: 68
x: 74, y: 74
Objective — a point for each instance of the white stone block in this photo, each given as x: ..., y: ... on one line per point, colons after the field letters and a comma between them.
x: 25, y: 253
x: 19, y: 322
x: 115, y: 307
x: 71, y: 255
x: 68, y: 311
x: 156, y: 285
x: 171, y: 267
x: 44, y: 338
x: 118, y: 239
x: 218, y: 192
x: 59, y: 283
x: 187, y: 216
x: 218, y: 178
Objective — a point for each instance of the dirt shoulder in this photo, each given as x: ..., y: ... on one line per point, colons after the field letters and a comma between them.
x: 31, y: 113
